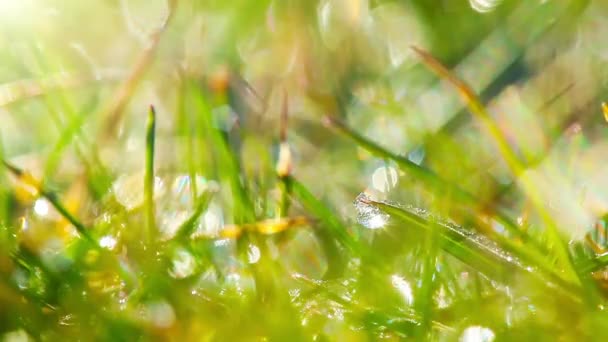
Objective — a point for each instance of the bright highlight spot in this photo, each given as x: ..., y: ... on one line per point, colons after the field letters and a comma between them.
x: 108, y: 242
x: 403, y: 287
x: 183, y: 264
x: 41, y: 207
x: 369, y: 215
x: 253, y: 254
x: 484, y: 6
x: 160, y: 314
x: 129, y: 190
x: 477, y: 334
x: 384, y: 178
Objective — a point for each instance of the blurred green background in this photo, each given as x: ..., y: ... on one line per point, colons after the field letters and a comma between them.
x: 266, y: 116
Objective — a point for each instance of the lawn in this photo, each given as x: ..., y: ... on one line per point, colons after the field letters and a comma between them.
x: 188, y: 170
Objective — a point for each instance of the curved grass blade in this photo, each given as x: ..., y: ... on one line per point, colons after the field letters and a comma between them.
x: 186, y: 229
x: 514, y: 164
x: 479, y: 252
x: 595, y: 264
x: 323, y: 213
x: 430, y: 178
x: 52, y: 198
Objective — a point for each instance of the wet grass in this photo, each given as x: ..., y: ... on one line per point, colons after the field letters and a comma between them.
x: 248, y: 234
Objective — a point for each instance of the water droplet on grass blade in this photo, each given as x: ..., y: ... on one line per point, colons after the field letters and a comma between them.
x: 477, y: 334
x: 403, y: 287
x: 41, y: 207
x: 17, y: 336
x: 253, y: 254
x: 484, y: 6
x: 183, y: 264
x: 160, y: 314
x: 107, y: 241
x: 369, y: 215
x: 417, y: 155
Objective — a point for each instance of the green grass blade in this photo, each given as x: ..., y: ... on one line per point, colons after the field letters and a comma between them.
x: 516, y: 167
x: 428, y: 177
x: 53, y: 199
x: 483, y: 254
x: 184, y: 231
x: 60, y: 102
x: 5, y: 214
x: 319, y: 210
x: 226, y: 161
x: 68, y: 135
x: 149, y: 174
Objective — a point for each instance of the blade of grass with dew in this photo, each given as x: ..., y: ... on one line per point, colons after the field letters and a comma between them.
x: 515, y: 166
x: 149, y: 176
x: 429, y: 178
x: 23, y: 304
x: 579, y: 256
x: 334, y: 229
x: 595, y: 264
x: 428, y: 282
x: 481, y: 253
x: 409, y: 319
x: 51, y: 297
x: 52, y: 198
x: 529, y: 27
x: 83, y: 231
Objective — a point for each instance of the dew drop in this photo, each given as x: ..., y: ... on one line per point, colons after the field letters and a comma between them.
x: 484, y: 6
x: 416, y: 156
x: 107, y: 241
x: 17, y: 336
x: 369, y: 215
x: 160, y: 314
x: 253, y: 254
x: 477, y: 334
x: 403, y: 287
x: 183, y: 264
x: 41, y: 207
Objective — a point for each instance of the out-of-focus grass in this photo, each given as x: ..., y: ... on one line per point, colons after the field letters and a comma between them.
x: 232, y: 208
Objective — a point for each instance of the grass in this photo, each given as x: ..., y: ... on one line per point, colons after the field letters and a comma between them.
x: 149, y: 180
x: 229, y: 210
